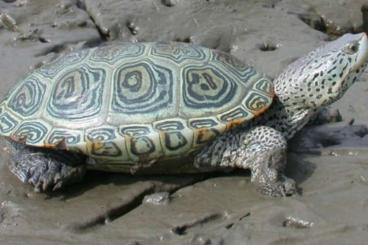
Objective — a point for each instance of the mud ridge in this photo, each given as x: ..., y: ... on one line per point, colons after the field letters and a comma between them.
x: 104, y: 35
x: 114, y: 212
x: 320, y: 23
x: 134, y: 201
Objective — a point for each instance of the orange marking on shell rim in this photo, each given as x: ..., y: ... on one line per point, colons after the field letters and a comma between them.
x: 261, y: 111
x: 61, y: 145
x: 49, y: 146
x: 234, y: 123
x: 94, y: 144
x: 162, y: 136
x: 202, y: 132
x: 265, y: 108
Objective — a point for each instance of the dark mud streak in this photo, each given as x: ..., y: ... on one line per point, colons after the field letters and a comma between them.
x: 271, y: 4
x: 103, y: 35
x: 114, y: 212
x: 58, y: 48
x: 315, y: 21
x: 182, y: 229
x: 365, y: 18
x: 319, y: 23
x: 239, y: 219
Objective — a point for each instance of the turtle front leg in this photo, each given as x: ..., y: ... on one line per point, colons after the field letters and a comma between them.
x: 45, y: 169
x: 261, y: 149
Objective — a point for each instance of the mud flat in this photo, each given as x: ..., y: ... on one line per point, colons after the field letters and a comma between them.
x: 332, y: 207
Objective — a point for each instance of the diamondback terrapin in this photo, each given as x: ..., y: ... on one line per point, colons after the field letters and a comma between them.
x: 142, y: 107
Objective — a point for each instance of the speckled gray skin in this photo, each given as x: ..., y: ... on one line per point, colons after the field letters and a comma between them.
x: 306, y: 85
x: 45, y: 169
x: 311, y: 82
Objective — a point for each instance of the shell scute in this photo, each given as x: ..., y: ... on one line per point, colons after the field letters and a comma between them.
x: 175, y: 136
x: 112, y: 54
x: 77, y: 93
x: 34, y: 132
x: 206, y: 87
x: 7, y: 123
x: 105, y: 142
x: 179, y: 52
x: 26, y: 99
x: 143, y: 143
x: 205, y: 130
x: 142, y: 87
x: 67, y: 139
x: 65, y: 61
x: 239, y: 69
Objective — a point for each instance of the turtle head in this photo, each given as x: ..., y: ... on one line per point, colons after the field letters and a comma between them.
x: 324, y: 75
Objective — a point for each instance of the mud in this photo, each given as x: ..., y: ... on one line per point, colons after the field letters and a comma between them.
x: 329, y: 162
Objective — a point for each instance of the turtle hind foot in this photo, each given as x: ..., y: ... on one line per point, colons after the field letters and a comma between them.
x: 46, y: 170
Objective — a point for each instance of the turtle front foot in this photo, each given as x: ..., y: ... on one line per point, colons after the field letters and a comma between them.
x: 283, y: 188
x: 46, y: 170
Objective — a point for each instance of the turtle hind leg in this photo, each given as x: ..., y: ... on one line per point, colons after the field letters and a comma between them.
x: 45, y: 169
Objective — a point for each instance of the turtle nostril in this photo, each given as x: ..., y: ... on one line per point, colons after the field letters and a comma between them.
x: 354, y: 48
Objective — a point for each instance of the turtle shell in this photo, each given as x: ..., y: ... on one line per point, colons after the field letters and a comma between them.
x: 134, y: 102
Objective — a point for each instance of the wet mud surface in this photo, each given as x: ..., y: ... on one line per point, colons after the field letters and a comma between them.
x: 329, y: 162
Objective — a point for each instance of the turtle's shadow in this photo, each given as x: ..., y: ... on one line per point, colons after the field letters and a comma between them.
x: 297, y: 168
x: 94, y: 179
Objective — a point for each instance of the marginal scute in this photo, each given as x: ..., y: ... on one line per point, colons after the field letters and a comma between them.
x: 33, y: 132
x: 203, y: 123
x: 142, y: 143
x: 104, y: 143
x: 175, y: 136
x: 256, y: 101
x: 71, y: 137
x: 7, y: 123
x: 179, y: 52
x: 234, y: 66
x: 264, y: 85
x: 112, y: 54
x: 235, y: 114
x: 205, y: 130
x: 51, y: 69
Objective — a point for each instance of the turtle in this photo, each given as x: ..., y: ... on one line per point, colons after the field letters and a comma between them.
x: 168, y: 107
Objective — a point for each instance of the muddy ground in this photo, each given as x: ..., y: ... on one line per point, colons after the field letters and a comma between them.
x: 332, y: 207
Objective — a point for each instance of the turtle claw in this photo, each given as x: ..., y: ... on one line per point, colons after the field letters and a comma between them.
x: 45, y: 170
x: 36, y: 188
x: 279, y: 189
x: 45, y: 178
x: 57, y: 178
x: 57, y: 186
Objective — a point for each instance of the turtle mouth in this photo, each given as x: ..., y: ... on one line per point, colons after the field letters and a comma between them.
x: 362, y: 58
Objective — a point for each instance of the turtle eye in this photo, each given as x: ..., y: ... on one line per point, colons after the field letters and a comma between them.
x: 352, y: 48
